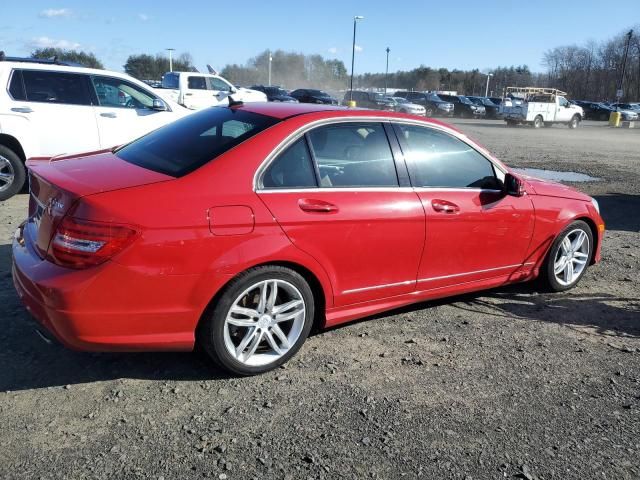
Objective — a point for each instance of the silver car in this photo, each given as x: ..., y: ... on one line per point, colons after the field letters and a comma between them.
x: 403, y: 105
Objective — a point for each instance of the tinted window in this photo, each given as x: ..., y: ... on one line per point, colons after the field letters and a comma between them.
x: 353, y: 155
x: 196, y: 83
x: 440, y: 160
x: 56, y: 87
x: 187, y: 144
x: 115, y: 92
x: 16, y: 88
x: 291, y: 169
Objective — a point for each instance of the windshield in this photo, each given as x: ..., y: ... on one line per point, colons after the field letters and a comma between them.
x: 318, y: 93
x: 275, y: 91
x: 187, y: 144
x: 379, y: 96
x: 434, y: 97
x: 464, y: 99
x: 400, y: 100
x: 488, y: 103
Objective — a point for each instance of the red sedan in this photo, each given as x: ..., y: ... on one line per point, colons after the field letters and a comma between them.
x: 241, y: 228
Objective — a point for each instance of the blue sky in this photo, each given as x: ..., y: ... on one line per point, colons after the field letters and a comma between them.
x: 463, y: 34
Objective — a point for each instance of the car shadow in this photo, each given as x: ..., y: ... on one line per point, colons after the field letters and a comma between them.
x: 620, y: 211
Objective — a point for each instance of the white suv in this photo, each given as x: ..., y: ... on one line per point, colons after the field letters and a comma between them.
x: 48, y: 109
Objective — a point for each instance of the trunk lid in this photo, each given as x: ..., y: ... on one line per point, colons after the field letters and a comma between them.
x: 56, y: 186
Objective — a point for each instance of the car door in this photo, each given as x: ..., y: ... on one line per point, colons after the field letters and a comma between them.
x: 57, y: 106
x: 124, y: 111
x: 197, y: 95
x: 563, y: 112
x: 336, y: 194
x: 473, y: 230
x: 219, y: 89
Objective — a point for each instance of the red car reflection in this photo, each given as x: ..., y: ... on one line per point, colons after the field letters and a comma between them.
x: 241, y: 228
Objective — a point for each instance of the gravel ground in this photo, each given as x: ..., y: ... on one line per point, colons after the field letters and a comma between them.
x: 508, y: 383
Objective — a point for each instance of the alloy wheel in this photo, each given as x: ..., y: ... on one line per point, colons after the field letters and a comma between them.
x: 572, y: 257
x: 264, y: 322
x: 7, y: 174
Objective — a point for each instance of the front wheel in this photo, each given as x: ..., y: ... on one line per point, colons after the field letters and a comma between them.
x: 538, y: 122
x: 261, y: 320
x: 429, y: 112
x: 574, y: 122
x: 12, y: 173
x: 568, y: 258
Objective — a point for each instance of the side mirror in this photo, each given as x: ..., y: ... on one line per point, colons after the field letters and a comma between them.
x: 158, y: 105
x: 513, y: 185
x: 232, y: 90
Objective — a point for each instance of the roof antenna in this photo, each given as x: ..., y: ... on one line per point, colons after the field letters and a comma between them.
x: 233, y: 102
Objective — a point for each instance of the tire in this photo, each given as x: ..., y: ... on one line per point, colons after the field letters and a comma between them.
x: 574, y: 122
x: 221, y: 336
x: 12, y: 173
x: 557, y: 280
x: 429, y: 111
x: 538, y: 122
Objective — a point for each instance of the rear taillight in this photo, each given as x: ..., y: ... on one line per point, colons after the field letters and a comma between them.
x: 82, y: 243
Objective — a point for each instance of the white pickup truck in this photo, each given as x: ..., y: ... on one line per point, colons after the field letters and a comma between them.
x: 200, y: 90
x: 543, y: 107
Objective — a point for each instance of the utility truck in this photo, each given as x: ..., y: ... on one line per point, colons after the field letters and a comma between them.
x: 196, y: 90
x: 541, y: 107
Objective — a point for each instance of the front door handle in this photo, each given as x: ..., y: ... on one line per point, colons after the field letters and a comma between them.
x: 316, y: 206
x: 444, y: 206
x: 108, y: 115
x: 22, y: 109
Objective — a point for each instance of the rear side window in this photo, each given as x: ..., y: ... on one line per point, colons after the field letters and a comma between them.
x: 437, y: 159
x: 56, y: 87
x: 293, y: 168
x: 16, y: 87
x: 353, y: 155
x: 186, y: 144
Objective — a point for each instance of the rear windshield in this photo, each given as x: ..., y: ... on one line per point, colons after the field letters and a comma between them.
x: 187, y: 144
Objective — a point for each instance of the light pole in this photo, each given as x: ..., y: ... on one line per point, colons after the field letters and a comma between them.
x: 486, y: 90
x: 353, y: 54
x: 619, y: 93
x: 386, y: 73
x: 170, y: 50
x: 270, y: 60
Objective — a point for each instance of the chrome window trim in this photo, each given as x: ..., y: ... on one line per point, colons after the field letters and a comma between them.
x: 257, y: 177
x: 375, y: 189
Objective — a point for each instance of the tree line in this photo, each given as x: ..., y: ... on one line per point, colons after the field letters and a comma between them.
x: 591, y: 71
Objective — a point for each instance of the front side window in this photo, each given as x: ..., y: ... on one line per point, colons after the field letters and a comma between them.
x: 353, y: 155
x: 115, y: 92
x: 218, y: 84
x: 293, y: 168
x: 197, y: 83
x: 16, y: 87
x: 563, y: 102
x: 56, y: 87
x: 187, y: 144
x: 437, y: 159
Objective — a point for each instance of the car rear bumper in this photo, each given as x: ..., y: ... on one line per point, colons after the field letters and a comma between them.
x: 105, y: 308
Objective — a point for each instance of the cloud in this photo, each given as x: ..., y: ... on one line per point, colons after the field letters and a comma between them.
x: 55, y: 13
x: 333, y: 50
x: 46, y: 42
x: 143, y: 16
x: 359, y: 48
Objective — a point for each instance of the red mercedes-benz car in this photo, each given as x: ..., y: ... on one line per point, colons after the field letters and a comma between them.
x: 240, y: 228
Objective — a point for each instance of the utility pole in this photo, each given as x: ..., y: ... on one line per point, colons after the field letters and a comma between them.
x: 386, y: 74
x: 486, y: 90
x: 620, y: 93
x: 170, y: 50
x: 353, y: 54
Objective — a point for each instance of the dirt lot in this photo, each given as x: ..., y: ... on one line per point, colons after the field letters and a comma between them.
x: 508, y: 383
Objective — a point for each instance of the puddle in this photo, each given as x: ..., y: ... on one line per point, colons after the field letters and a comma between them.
x: 556, y: 176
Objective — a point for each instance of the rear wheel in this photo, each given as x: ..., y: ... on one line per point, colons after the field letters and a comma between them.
x: 429, y: 111
x: 568, y: 258
x: 574, y: 122
x: 260, y: 321
x: 538, y: 122
x: 12, y: 173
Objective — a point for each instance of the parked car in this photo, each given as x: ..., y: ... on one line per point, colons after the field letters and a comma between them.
x: 634, y: 107
x: 627, y: 112
x: 403, y: 105
x: 547, y: 107
x: 595, y: 110
x: 463, y: 107
x: 275, y: 94
x: 308, y: 95
x: 49, y: 108
x: 492, y: 110
x: 196, y: 90
x: 431, y: 102
x: 364, y: 99
x: 254, y: 223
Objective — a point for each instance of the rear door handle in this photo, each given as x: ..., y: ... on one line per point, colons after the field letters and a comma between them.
x: 108, y: 115
x: 22, y: 109
x: 444, y: 206
x: 316, y: 206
